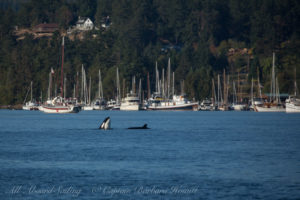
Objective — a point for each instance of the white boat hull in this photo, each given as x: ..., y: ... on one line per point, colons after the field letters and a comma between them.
x: 206, y: 108
x: 292, y: 108
x: 30, y: 108
x: 59, y: 109
x: 239, y: 107
x: 87, y: 108
x: 269, y: 109
x: 99, y: 107
x: 130, y: 107
x: 169, y: 106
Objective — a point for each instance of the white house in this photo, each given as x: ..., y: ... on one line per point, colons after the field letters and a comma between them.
x: 84, y: 24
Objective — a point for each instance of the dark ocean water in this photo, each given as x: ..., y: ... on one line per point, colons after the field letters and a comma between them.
x: 185, y: 155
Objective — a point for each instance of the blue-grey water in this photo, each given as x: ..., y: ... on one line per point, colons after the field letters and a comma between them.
x: 185, y: 155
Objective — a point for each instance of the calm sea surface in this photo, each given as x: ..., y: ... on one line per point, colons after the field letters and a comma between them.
x: 185, y: 155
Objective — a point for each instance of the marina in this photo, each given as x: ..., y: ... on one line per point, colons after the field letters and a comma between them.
x: 163, y: 97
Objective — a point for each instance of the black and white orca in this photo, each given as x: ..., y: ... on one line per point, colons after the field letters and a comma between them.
x: 105, y: 124
x: 141, y: 127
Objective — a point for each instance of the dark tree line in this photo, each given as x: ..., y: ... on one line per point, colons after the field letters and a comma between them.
x: 197, y: 35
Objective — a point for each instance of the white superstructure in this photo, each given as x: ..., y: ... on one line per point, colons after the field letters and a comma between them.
x: 130, y: 102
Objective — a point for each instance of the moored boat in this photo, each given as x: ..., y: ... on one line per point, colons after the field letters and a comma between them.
x: 32, y: 104
x: 292, y: 105
x: 274, y: 104
x: 206, y: 105
x: 130, y: 102
x: 239, y: 107
x: 59, y: 106
x: 179, y: 102
x: 269, y: 107
x: 99, y: 103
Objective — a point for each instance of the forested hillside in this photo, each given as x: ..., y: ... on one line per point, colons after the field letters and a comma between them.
x: 201, y: 37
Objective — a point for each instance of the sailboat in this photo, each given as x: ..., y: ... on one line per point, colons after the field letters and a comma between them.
x: 32, y: 104
x: 237, y: 106
x: 114, y: 104
x: 58, y: 104
x: 274, y: 105
x: 292, y: 104
x: 99, y: 103
x: 214, y: 95
x: 88, y: 105
x: 165, y: 99
x: 223, y: 103
x: 132, y: 100
x: 256, y: 101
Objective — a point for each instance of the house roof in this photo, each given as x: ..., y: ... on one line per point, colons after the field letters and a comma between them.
x: 46, y: 26
x: 81, y: 20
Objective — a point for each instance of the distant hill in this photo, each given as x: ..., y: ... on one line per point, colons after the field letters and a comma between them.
x: 202, y: 38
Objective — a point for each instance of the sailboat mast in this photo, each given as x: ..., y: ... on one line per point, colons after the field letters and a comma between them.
x: 100, y: 86
x: 173, y: 85
x: 258, y: 84
x: 76, y: 92
x: 86, y: 88
x: 55, y: 89
x: 252, y: 91
x: 140, y: 90
x: 273, y: 81
x: 213, y: 92
x: 169, y: 78
x: 238, y: 88
x: 148, y: 85
x: 123, y: 88
x: 133, y: 85
x: 157, y: 78
x: 163, y: 83
x: 295, y: 83
x: 218, y: 90
x: 82, y: 81
x: 90, y: 86
x: 31, y: 91
x: 65, y: 85
x: 49, y: 87
x: 277, y: 92
x: 118, y: 87
x: 225, y: 88
x: 234, y: 93
x: 99, y: 92
x: 158, y: 81
x: 62, y: 66
x: 220, y: 98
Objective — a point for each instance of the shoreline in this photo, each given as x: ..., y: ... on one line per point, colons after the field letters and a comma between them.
x: 11, y: 107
